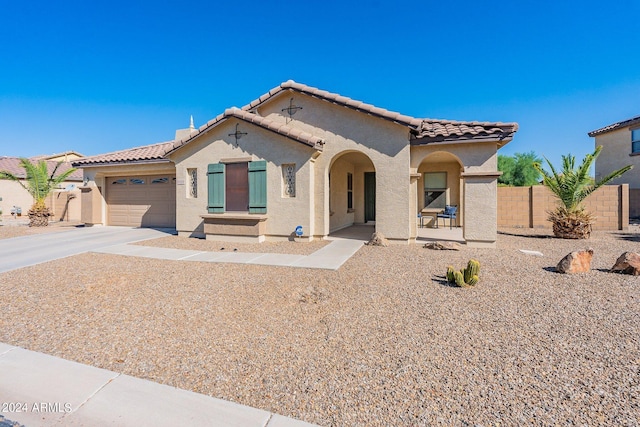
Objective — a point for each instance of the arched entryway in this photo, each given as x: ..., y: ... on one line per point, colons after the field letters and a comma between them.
x: 352, y: 191
x: 440, y: 184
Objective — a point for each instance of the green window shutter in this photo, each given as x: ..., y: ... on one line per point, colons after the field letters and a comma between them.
x: 258, y: 187
x: 215, y: 187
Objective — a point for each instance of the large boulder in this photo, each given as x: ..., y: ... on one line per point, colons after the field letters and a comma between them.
x: 378, y: 239
x: 576, y: 262
x: 627, y: 263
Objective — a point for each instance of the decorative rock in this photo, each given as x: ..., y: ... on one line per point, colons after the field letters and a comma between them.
x: 443, y: 246
x: 576, y: 262
x: 378, y: 239
x: 627, y: 263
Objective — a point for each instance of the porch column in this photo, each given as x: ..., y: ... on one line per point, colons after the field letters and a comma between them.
x: 413, y: 205
x: 480, y: 208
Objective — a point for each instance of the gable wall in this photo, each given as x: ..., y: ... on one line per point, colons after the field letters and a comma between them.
x: 345, y: 130
x: 616, y: 147
x: 284, y: 213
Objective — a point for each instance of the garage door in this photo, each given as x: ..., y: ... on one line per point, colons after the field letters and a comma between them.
x: 141, y: 201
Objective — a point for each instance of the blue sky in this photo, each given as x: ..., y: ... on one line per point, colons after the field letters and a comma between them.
x: 101, y: 76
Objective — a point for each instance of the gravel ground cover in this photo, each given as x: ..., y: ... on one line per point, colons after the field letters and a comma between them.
x: 285, y: 247
x: 16, y: 228
x: 382, y: 341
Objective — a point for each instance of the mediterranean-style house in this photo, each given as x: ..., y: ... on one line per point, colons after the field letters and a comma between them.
x: 302, y: 158
x: 63, y: 202
x: 621, y: 147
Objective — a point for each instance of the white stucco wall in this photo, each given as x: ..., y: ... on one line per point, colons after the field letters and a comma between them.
x: 615, y: 154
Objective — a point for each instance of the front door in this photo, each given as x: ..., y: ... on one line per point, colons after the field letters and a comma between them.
x: 369, y: 196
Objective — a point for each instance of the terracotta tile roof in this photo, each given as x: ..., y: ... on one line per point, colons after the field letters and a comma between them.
x: 424, y: 130
x: 271, y: 125
x: 153, y: 153
x: 12, y: 165
x: 431, y: 130
x: 614, y: 126
x: 335, y: 99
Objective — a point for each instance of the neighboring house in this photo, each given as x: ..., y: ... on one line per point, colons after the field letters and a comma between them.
x: 300, y: 156
x: 64, y: 202
x: 621, y: 147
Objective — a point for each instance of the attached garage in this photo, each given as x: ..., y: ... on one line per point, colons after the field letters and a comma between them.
x: 141, y: 201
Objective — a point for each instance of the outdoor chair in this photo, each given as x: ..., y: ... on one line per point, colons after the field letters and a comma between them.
x: 449, y: 212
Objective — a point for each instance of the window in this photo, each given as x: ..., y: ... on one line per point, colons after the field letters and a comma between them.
x: 163, y: 180
x: 237, y: 187
x: 289, y: 180
x: 120, y: 181
x: 635, y: 141
x: 136, y: 181
x: 192, y: 180
x: 349, y: 192
x: 435, y: 190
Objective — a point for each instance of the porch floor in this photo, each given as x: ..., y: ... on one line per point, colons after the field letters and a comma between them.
x: 363, y: 232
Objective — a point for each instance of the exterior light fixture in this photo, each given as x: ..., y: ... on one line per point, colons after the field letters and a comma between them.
x: 291, y: 109
x: 238, y: 134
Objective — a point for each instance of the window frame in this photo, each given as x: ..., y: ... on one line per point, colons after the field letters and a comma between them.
x: 349, y: 192
x: 441, y: 190
x: 635, y: 143
x: 192, y: 183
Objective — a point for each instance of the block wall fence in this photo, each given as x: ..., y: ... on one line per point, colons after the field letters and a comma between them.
x: 634, y: 202
x: 526, y: 207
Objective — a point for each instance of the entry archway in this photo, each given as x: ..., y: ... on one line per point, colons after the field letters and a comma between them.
x: 440, y: 184
x: 352, y: 190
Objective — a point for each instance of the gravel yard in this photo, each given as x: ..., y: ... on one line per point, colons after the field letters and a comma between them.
x: 382, y: 341
x: 10, y: 227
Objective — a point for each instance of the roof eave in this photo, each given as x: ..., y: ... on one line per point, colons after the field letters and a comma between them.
x: 120, y: 162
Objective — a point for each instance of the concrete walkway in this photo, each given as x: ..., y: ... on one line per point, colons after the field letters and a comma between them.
x: 331, y: 257
x: 24, y: 251
x: 40, y: 390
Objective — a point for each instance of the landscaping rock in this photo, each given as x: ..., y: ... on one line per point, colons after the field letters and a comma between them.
x: 378, y: 239
x: 576, y: 262
x: 627, y: 263
x: 443, y: 246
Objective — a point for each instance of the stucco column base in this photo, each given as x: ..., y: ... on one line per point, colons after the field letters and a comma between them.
x: 480, y: 244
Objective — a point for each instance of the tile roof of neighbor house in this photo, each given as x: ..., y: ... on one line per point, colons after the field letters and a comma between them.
x: 423, y: 131
x: 277, y: 127
x: 55, y: 155
x: 12, y: 165
x: 614, y: 126
x: 153, y: 153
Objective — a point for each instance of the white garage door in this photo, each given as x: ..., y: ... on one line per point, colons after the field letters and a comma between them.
x: 141, y: 201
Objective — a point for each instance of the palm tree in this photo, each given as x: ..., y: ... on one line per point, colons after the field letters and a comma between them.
x: 571, y: 186
x: 39, y: 184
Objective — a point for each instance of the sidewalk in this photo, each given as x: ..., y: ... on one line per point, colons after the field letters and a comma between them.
x: 40, y: 390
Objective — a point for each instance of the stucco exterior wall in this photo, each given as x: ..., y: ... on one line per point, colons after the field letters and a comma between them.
x: 284, y: 213
x: 13, y: 194
x: 344, y: 131
x: 616, y: 153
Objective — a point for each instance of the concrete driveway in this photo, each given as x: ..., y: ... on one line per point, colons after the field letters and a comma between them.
x: 24, y: 251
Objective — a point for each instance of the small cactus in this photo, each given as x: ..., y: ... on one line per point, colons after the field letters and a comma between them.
x: 466, y: 276
x: 450, y: 273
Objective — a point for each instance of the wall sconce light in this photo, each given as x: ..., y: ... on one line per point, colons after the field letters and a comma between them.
x: 238, y: 134
x: 291, y: 109
x: 85, y: 182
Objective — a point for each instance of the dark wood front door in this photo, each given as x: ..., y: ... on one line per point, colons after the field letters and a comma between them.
x: 369, y: 196
x: 237, y: 187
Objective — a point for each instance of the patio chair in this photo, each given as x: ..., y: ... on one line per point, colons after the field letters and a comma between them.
x: 449, y: 212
